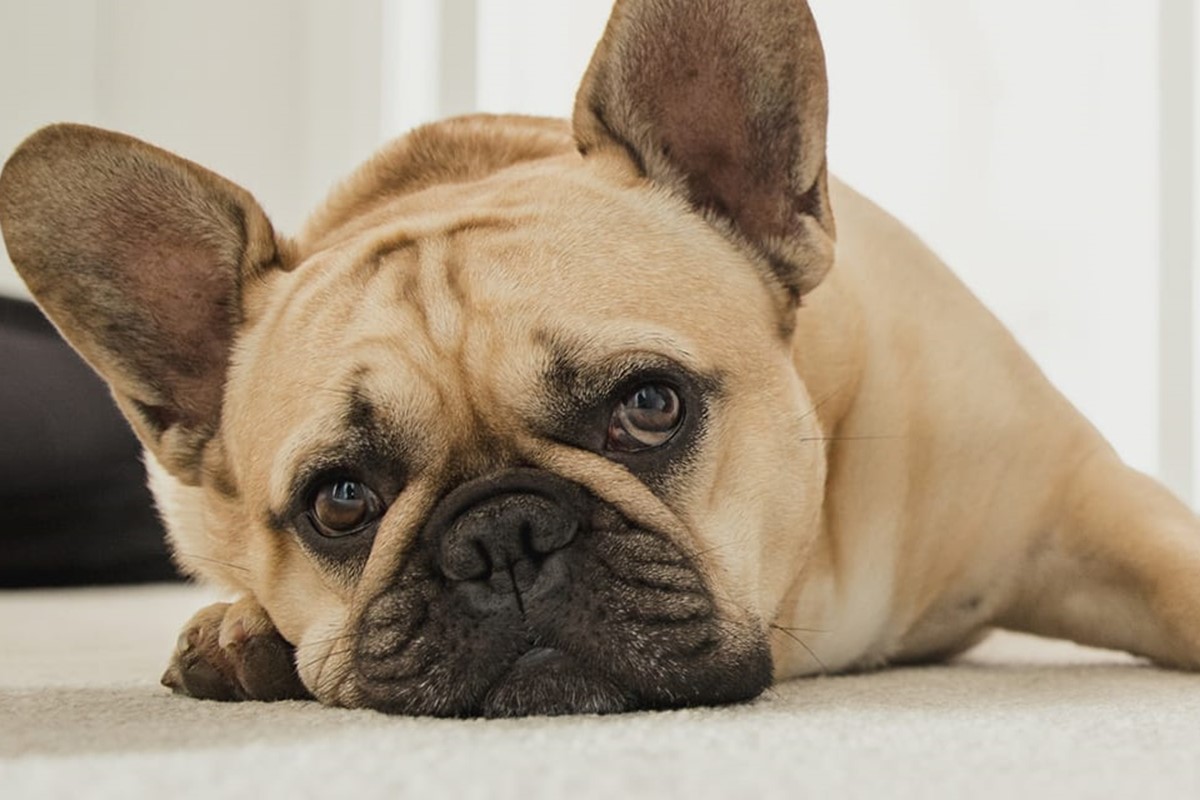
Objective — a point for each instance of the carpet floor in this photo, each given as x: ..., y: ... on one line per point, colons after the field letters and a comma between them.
x: 82, y: 715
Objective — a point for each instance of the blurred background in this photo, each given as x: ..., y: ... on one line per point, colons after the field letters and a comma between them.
x: 1045, y: 148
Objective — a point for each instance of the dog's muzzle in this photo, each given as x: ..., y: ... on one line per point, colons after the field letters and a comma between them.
x: 523, y: 593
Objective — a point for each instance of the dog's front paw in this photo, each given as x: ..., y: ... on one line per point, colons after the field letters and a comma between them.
x: 233, y: 652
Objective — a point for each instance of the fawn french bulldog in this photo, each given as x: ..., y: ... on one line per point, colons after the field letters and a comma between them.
x: 543, y: 418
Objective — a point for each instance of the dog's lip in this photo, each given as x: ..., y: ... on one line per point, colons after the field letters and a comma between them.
x: 538, y: 656
x: 549, y: 681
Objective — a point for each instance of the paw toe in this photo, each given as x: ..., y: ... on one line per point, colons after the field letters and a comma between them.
x: 233, y: 653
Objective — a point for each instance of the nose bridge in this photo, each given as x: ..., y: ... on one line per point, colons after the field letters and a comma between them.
x: 466, y: 329
x: 478, y: 446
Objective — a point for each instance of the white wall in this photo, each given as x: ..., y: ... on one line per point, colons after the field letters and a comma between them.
x: 281, y: 96
x: 1195, y: 225
x: 1020, y: 140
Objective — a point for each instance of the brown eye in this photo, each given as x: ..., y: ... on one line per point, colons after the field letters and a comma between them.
x: 648, y: 417
x: 343, y: 507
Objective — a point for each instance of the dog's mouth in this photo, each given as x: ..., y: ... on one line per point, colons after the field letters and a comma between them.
x: 530, y: 597
x: 546, y: 681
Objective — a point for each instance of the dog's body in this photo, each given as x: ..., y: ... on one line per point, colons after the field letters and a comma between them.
x: 540, y: 419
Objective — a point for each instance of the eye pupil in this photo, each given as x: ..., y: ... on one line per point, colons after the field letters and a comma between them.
x: 346, y: 491
x: 647, y: 418
x: 650, y: 397
x: 343, y: 507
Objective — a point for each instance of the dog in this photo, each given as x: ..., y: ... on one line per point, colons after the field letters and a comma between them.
x: 540, y: 418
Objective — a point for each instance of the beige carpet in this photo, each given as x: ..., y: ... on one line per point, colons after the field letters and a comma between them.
x: 82, y: 715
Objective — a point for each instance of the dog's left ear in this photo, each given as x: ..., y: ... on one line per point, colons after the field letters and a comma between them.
x: 725, y: 103
x: 140, y: 258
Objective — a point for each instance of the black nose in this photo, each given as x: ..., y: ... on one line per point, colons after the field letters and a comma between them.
x: 496, y: 535
x: 500, y: 534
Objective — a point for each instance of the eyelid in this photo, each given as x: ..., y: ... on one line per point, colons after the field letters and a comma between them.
x: 624, y: 374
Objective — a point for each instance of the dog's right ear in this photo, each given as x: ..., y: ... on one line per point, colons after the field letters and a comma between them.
x: 138, y: 257
x: 724, y: 103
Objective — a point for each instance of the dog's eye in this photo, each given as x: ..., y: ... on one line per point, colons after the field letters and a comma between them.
x: 648, y: 417
x: 344, y: 507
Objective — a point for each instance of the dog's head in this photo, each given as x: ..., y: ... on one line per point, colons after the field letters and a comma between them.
x: 513, y: 425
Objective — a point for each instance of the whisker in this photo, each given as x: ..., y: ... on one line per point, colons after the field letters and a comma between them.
x: 845, y: 438
x: 790, y: 631
x: 695, y: 554
x: 342, y: 638
x: 817, y: 405
x: 801, y: 630
x: 213, y: 560
x: 801, y: 642
x: 324, y: 657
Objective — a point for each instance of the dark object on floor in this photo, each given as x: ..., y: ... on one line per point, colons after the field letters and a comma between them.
x: 75, y: 507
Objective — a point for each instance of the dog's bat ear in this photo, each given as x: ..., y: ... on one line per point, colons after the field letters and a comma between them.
x: 724, y: 102
x: 138, y: 257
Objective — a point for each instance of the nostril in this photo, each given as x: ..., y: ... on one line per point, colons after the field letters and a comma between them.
x: 464, y: 558
x: 484, y: 557
x: 525, y: 536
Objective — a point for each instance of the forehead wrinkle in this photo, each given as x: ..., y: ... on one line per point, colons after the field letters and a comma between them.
x: 373, y: 323
x: 454, y: 326
x: 495, y: 376
x: 427, y: 334
x: 438, y: 294
x: 334, y: 274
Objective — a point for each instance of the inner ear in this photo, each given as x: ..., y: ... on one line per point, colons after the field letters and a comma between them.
x: 138, y: 256
x: 725, y: 103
